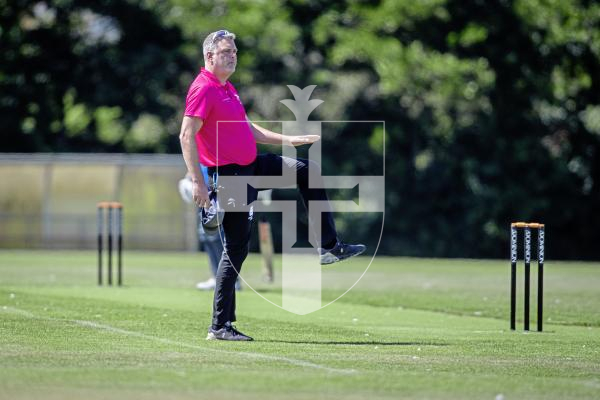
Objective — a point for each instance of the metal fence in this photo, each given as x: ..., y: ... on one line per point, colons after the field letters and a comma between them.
x: 49, y: 200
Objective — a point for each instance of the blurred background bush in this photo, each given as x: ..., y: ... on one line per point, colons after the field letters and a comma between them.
x: 492, y: 108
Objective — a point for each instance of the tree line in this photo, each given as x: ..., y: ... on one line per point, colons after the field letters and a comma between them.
x: 492, y: 108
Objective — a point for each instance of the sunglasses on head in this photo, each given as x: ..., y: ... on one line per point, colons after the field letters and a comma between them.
x: 220, y: 34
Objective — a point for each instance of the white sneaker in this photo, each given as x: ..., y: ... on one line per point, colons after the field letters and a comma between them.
x: 207, y: 285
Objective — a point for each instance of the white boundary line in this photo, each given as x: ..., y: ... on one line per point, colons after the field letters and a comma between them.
x: 124, y: 332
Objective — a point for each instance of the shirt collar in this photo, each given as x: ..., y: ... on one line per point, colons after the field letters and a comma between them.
x: 212, y: 77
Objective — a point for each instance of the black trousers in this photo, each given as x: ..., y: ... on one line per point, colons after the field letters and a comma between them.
x: 237, y: 226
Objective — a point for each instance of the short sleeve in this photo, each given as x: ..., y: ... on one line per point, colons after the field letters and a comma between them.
x: 198, y: 102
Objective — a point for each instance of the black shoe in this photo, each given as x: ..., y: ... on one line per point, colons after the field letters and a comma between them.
x: 228, y: 332
x: 340, y: 251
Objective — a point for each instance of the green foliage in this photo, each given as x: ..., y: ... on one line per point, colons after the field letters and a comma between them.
x: 491, y: 108
x: 109, y: 128
x: 146, y: 132
x: 591, y: 119
x: 483, y: 108
x: 69, y: 65
x: 77, y: 116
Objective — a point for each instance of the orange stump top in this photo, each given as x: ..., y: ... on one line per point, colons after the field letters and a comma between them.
x: 533, y: 225
x: 110, y: 204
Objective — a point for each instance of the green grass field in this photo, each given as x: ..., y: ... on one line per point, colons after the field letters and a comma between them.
x: 411, y: 328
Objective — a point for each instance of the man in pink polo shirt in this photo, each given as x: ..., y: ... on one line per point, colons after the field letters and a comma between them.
x: 229, y: 149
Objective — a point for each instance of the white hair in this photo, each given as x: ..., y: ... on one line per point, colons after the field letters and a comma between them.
x: 210, y: 43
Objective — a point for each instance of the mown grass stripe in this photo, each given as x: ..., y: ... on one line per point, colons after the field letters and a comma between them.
x: 115, y: 330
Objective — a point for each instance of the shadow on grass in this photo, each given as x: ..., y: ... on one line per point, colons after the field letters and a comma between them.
x: 276, y: 290
x: 369, y: 343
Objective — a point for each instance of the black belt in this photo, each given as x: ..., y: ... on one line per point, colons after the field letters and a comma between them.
x: 233, y: 169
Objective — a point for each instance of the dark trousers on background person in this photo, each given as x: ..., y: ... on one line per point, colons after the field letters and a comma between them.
x: 237, y: 226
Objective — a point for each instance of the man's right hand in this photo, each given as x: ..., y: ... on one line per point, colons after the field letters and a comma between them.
x: 200, y: 194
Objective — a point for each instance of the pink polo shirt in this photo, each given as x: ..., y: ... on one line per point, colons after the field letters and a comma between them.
x: 214, y: 104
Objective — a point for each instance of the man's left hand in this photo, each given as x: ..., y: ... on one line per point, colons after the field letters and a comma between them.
x: 304, y: 139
